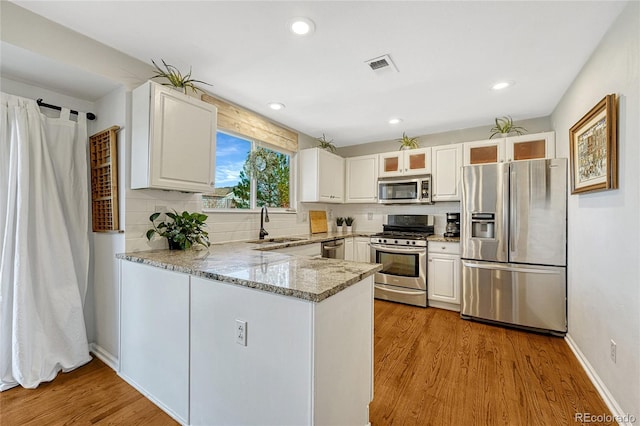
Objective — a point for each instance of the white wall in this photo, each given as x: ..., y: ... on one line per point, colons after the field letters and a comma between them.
x: 604, y: 227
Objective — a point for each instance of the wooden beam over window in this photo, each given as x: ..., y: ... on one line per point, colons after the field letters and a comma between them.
x: 249, y: 124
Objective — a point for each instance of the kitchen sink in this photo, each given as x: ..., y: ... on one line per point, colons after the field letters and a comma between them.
x: 276, y: 240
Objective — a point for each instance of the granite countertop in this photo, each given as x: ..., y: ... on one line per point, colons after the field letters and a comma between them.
x: 254, y: 265
x: 442, y: 239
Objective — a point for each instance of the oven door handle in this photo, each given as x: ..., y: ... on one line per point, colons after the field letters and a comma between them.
x: 408, y: 293
x: 399, y: 249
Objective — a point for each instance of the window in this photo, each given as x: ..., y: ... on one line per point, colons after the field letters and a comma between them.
x: 249, y: 175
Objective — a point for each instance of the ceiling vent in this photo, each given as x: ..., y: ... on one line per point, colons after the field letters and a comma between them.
x: 382, y: 64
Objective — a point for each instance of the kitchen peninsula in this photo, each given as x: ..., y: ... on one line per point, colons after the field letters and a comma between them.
x: 241, y: 335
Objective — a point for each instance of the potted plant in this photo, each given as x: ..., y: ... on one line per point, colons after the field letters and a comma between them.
x: 504, y: 126
x: 182, y: 231
x: 175, y: 77
x: 408, y: 143
x: 339, y: 222
x: 325, y: 144
x: 349, y: 221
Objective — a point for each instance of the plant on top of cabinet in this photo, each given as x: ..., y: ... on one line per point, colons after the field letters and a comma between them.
x: 175, y: 77
x: 325, y: 144
x: 183, y: 231
x: 504, y: 126
x: 408, y: 143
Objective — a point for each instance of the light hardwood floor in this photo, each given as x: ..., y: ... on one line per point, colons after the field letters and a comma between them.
x: 431, y: 368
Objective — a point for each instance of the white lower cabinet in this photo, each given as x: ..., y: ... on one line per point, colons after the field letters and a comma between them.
x: 361, y: 250
x: 154, y: 335
x: 349, y: 253
x: 443, y: 275
x: 304, y: 363
x: 357, y: 249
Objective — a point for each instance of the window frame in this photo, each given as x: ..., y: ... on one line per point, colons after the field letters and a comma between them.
x: 256, y: 143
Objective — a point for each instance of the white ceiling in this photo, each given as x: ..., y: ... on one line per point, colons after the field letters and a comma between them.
x: 448, y: 54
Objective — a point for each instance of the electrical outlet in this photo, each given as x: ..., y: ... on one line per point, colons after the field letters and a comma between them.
x: 613, y: 351
x: 304, y: 216
x: 241, y: 332
x: 370, y: 216
x: 330, y: 215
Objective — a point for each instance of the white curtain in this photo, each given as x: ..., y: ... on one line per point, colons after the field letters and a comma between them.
x: 44, y: 243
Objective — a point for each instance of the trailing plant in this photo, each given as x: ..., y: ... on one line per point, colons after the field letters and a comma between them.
x: 183, y: 231
x: 408, y: 143
x: 349, y: 221
x: 339, y: 221
x: 175, y: 77
x: 505, y: 126
x: 325, y: 144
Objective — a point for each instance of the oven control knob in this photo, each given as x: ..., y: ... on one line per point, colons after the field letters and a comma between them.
x: 396, y: 241
x: 407, y: 242
x: 414, y: 243
x: 385, y: 241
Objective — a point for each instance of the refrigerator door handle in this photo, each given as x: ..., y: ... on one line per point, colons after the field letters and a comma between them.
x: 500, y: 267
x: 513, y: 217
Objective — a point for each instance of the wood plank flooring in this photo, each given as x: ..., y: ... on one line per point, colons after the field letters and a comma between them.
x: 431, y: 368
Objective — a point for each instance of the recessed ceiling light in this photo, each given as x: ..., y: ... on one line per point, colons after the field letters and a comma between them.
x: 276, y: 105
x: 395, y: 120
x: 502, y: 85
x: 302, y: 26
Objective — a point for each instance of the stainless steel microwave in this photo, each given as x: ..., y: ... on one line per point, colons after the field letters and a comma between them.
x: 405, y: 190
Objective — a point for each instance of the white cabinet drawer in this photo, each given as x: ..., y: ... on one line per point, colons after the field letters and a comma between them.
x: 444, y: 247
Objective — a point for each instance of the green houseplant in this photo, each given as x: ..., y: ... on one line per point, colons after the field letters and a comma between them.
x: 504, y: 126
x: 182, y: 231
x: 325, y: 144
x: 408, y: 143
x: 175, y: 77
x: 349, y: 221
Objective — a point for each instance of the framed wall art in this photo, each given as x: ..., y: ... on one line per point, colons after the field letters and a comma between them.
x: 593, y: 149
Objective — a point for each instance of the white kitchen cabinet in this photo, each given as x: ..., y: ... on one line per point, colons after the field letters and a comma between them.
x: 443, y: 275
x: 349, y: 253
x: 173, y: 140
x: 304, y: 363
x: 362, y: 179
x: 530, y: 147
x: 405, y: 163
x: 447, y: 161
x: 484, y: 152
x: 321, y: 176
x: 154, y: 335
x: 361, y: 249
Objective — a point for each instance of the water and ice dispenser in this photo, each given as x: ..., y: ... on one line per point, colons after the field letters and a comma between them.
x: 483, y: 225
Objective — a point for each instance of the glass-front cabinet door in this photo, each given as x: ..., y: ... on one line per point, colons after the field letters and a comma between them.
x: 531, y: 147
x: 407, y: 162
x: 484, y: 152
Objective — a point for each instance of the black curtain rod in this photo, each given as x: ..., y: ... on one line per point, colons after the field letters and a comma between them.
x: 90, y: 115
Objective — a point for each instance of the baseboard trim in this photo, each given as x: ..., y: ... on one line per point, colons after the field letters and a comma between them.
x: 602, y: 389
x: 104, y: 356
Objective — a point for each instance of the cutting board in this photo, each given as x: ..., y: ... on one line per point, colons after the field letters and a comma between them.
x: 318, y: 221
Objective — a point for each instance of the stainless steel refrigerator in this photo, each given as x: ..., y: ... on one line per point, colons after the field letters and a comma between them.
x: 514, y: 244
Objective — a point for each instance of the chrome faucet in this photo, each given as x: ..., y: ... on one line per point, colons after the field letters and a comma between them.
x: 264, y: 217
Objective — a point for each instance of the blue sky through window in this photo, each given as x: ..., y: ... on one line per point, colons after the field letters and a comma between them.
x: 231, y: 153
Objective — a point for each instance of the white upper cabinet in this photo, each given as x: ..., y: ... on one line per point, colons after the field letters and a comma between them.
x: 173, y: 140
x: 447, y: 160
x: 407, y: 162
x: 362, y: 177
x: 484, y: 152
x: 321, y: 176
x: 530, y: 147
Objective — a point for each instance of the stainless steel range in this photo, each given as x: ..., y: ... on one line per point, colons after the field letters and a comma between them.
x: 402, y: 250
